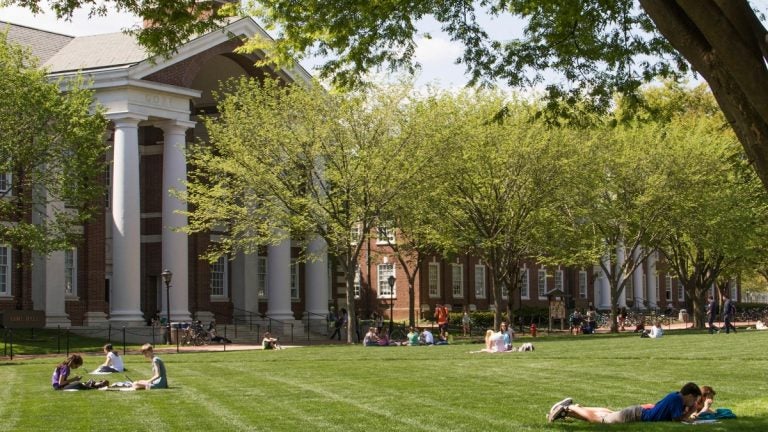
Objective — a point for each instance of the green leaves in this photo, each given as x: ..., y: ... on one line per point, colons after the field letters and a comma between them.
x: 51, y: 143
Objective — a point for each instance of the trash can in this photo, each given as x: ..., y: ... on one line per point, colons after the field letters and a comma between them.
x: 683, y: 315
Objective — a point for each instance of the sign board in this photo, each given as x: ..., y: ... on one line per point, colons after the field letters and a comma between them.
x: 22, y: 318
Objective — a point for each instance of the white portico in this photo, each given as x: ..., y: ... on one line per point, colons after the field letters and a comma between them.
x: 130, y: 104
x: 153, y: 106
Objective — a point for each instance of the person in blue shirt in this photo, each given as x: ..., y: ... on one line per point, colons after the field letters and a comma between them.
x: 675, y: 406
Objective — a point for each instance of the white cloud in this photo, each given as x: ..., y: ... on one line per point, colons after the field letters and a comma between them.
x: 437, y: 57
x: 437, y: 49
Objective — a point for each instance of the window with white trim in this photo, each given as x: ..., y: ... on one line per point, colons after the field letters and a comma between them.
x: 629, y: 286
x: 582, y: 284
x: 542, y: 283
x: 356, y: 232
x: 219, y: 277
x: 734, y: 289
x: 559, y: 280
x: 457, y: 280
x: 668, y: 287
x: 261, y: 277
x: 385, y: 234
x: 6, y: 181
x: 525, y: 287
x: 294, y: 279
x: 5, y: 270
x: 433, y: 274
x: 680, y: 291
x: 70, y: 272
x: 480, y: 281
x: 504, y: 291
x: 384, y: 272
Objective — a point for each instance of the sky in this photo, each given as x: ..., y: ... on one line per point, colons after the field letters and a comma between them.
x: 436, y: 55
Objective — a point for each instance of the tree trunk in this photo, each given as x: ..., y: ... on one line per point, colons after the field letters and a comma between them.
x: 411, y: 300
x: 351, y: 313
x: 725, y: 42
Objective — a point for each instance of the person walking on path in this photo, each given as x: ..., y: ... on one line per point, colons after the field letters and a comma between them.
x: 729, y: 312
x: 713, y: 310
x: 441, y: 314
x: 465, y: 322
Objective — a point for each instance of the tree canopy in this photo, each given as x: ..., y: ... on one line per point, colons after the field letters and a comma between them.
x: 291, y: 162
x: 594, y: 48
x: 51, y: 152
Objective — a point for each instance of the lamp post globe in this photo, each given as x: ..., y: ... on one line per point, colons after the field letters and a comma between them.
x: 167, y: 275
x: 391, y: 282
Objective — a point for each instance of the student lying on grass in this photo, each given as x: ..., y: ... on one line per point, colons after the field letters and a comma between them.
x: 675, y: 406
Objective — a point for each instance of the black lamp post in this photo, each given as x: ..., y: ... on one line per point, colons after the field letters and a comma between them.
x: 391, y: 282
x: 167, y: 275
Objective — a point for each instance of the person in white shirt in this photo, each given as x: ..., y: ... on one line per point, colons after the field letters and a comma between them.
x: 654, y: 333
x: 113, y: 363
x: 427, y: 338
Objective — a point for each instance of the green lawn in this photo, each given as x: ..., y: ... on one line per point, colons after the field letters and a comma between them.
x: 352, y: 388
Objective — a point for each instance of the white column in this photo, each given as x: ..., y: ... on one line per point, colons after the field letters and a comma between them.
x: 279, y: 285
x: 637, y: 281
x: 620, y: 262
x: 244, y: 279
x: 652, y: 300
x: 317, y: 281
x: 126, y: 223
x: 175, y: 253
x: 55, y: 295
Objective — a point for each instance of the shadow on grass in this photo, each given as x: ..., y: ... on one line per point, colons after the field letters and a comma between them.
x: 745, y: 424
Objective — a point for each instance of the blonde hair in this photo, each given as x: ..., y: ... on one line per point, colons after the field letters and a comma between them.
x: 147, y: 347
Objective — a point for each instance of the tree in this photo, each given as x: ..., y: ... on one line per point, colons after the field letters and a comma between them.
x: 497, y: 182
x: 718, y: 216
x: 51, y: 155
x: 719, y: 221
x: 290, y: 162
x: 596, y: 47
x: 615, y: 208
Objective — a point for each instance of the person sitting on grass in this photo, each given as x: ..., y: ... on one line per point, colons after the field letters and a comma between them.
x: 61, y: 379
x: 159, y: 379
x: 413, y: 337
x: 383, y: 339
x: 270, y: 343
x: 427, y: 338
x: 654, y: 333
x: 113, y: 363
x: 675, y: 406
x: 371, y: 338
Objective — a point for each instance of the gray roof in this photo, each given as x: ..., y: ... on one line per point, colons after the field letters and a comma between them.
x: 98, y: 51
x: 42, y: 44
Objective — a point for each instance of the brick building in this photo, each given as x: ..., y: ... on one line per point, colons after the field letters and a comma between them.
x: 114, y: 275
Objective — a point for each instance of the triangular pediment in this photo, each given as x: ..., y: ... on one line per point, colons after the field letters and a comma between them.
x: 219, y: 42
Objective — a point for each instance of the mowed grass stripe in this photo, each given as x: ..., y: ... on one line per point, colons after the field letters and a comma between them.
x: 296, y: 397
x: 353, y: 388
